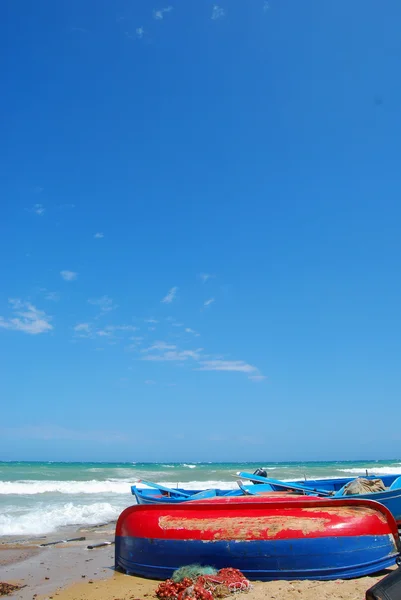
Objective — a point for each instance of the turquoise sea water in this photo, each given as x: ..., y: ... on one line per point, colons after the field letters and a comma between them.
x: 42, y: 497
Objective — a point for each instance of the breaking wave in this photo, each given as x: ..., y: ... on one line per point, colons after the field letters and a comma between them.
x: 373, y: 471
x: 31, y: 487
x: 47, y: 519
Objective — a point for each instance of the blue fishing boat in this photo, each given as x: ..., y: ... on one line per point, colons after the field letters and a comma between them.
x: 265, y: 538
x: 390, y: 497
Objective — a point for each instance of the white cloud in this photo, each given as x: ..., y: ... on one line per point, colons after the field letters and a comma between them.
x: 174, y: 355
x: 67, y: 206
x: 68, y: 275
x: 53, y: 296
x: 208, y: 302
x: 189, y: 330
x: 121, y: 328
x: 266, y: 6
x: 151, y: 321
x: 104, y: 303
x: 27, y: 318
x: 218, y: 12
x: 160, y: 346
x: 257, y: 377
x: 227, y: 365
x: 98, y: 235
x: 103, y: 333
x: 170, y: 296
x: 83, y: 329
x: 205, y: 277
x: 159, y: 14
x: 38, y: 209
x: 140, y: 32
x: 150, y: 382
x: 88, y: 330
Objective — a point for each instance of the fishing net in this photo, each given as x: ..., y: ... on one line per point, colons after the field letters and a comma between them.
x: 205, y: 586
x: 192, y: 572
x: 363, y: 486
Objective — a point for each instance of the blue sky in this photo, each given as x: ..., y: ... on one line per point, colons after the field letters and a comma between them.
x: 200, y: 233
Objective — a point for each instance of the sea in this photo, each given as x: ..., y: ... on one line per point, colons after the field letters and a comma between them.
x: 38, y: 498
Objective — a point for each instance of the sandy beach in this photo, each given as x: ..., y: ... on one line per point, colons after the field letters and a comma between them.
x: 70, y: 571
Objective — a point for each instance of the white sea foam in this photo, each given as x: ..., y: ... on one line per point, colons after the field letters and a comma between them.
x: 189, y: 466
x: 373, y: 471
x: 45, y: 519
x: 65, y: 487
x: 111, y: 486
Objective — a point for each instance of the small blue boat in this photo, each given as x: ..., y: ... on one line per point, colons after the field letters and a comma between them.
x: 265, y: 538
x: 332, y: 488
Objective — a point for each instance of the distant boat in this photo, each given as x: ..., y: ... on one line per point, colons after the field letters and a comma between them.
x: 333, y: 488
x: 266, y: 538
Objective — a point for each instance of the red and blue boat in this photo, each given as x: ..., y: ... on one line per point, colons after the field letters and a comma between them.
x: 266, y: 538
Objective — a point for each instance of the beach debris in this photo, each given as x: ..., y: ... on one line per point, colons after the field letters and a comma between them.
x: 8, y: 588
x: 204, y: 586
x: 78, y: 539
x: 100, y: 545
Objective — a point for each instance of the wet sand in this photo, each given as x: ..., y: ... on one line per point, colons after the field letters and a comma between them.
x: 70, y: 571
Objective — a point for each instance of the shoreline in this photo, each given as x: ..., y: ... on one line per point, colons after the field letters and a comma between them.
x: 70, y: 571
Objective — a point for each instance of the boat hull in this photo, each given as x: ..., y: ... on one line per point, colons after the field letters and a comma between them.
x: 266, y: 539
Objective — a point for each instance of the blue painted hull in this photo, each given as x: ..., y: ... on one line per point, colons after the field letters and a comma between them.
x: 320, y: 559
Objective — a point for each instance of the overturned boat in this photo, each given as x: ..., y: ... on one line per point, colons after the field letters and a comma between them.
x: 266, y: 538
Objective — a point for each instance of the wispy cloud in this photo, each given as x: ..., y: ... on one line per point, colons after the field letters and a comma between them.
x: 170, y: 296
x: 38, y: 209
x: 83, y: 329
x: 52, y: 296
x: 159, y: 14
x: 105, y: 304
x: 26, y: 318
x: 99, y: 235
x: 67, y: 206
x: 208, y: 302
x: 174, y: 355
x: 150, y: 382
x: 238, y: 366
x: 205, y: 277
x: 266, y: 6
x: 218, y: 12
x: 114, y: 328
x: 69, y: 275
x: 227, y: 365
x: 151, y: 321
x: 139, y: 32
x: 257, y: 377
x: 90, y: 330
x: 189, y: 330
x: 160, y: 346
